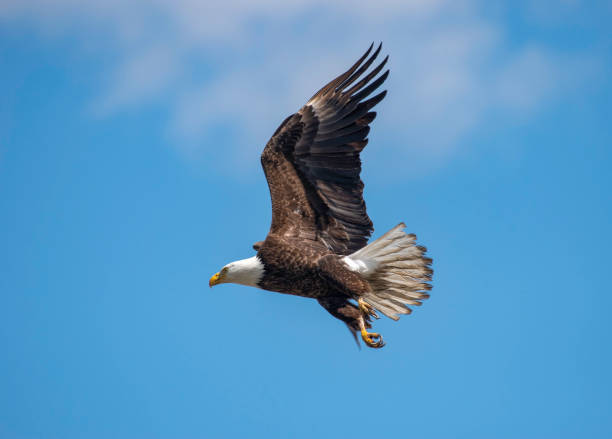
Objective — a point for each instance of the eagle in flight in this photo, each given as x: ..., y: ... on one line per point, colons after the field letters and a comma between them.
x: 317, y: 245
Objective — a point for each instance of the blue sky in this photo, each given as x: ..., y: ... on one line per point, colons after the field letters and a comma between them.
x: 129, y: 173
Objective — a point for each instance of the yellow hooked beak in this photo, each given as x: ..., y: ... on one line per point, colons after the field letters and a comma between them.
x: 214, y: 280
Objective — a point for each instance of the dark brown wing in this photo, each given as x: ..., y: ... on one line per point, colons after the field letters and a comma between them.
x: 312, y: 162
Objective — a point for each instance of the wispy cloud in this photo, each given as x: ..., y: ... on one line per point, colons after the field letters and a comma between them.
x: 251, y: 63
x: 146, y: 75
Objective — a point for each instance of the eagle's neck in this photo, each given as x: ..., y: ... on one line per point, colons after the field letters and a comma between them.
x: 245, y: 272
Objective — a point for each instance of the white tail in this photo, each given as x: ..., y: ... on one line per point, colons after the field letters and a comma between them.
x: 396, y: 269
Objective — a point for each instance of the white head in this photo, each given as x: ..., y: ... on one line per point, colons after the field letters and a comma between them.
x: 244, y: 272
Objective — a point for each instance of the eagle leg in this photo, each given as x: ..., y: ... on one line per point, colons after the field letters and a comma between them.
x: 367, y: 309
x: 354, y: 317
x: 372, y: 339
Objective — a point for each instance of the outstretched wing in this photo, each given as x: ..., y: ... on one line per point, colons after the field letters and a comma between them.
x: 312, y: 162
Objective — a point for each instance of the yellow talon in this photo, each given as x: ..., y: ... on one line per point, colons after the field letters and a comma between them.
x: 366, y: 308
x: 372, y: 339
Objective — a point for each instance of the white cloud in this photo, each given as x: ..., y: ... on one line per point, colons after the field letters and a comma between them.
x: 146, y: 75
x: 255, y: 62
x: 527, y: 79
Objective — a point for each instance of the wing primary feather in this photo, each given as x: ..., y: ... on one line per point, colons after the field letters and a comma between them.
x: 339, y: 140
x: 335, y: 126
x: 361, y: 70
x: 333, y: 83
x: 342, y: 131
x: 362, y: 109
x: 367, y: 119
x: 368, y: 77
x: 370, y: 88
x: 339, y: 150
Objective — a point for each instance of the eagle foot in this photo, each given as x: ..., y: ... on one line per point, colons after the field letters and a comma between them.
x: 367, y: 309
x: 372, y: 339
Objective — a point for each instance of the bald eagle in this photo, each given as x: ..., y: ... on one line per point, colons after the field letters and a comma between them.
x: 317, y: 243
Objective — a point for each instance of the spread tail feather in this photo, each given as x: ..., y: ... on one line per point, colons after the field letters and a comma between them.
x: 397, y: 270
